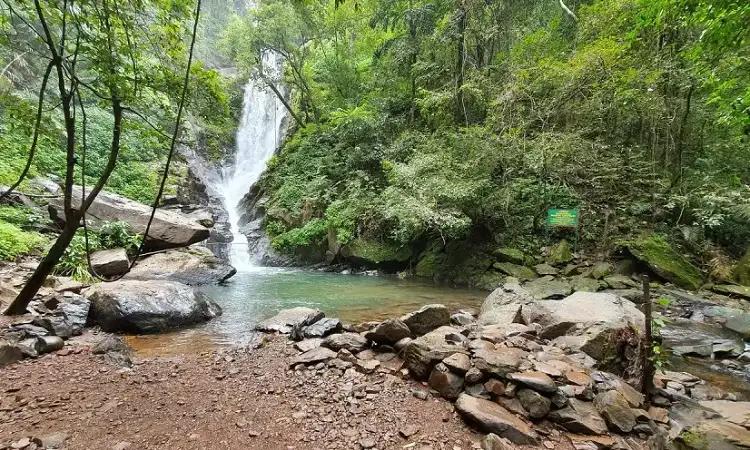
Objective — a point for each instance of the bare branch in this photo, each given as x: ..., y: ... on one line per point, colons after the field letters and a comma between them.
x: 568, y: 11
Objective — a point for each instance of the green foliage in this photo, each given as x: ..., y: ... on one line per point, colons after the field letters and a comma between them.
x: 19, y: 216
x: 118, y: 234
x: 312, y: 233
x: 74, y: 262
x: 15, y: 242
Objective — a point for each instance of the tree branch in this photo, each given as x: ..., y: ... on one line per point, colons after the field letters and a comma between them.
x: 568, y: 11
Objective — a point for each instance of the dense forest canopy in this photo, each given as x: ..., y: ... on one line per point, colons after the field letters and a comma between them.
x: 445, y: 127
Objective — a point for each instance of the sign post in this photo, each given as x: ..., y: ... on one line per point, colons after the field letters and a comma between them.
x: 564, y: 218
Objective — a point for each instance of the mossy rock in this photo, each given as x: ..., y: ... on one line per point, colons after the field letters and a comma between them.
x: 374, y: 253
x: 660, y: 257
x: 491, y: 280
x: 507, y: 254
x: 742, y: 272
x: 430, y: 266
x: 523, y: 273
x: 560, y: 253
x: 601, y: 270
x: 733, y: 289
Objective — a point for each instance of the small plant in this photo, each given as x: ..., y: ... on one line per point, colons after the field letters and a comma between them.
x: 20, y: 216
x: 15, y: 242
x: 118, y: 234
x: 659, y: 356
x: 74, y: 262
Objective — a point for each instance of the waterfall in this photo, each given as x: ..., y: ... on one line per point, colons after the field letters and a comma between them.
x: 258, y: 137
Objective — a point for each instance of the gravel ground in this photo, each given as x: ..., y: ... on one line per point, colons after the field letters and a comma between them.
x: 225, y: 400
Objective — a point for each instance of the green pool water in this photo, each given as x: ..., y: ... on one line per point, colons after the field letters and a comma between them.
x: 252, y: 296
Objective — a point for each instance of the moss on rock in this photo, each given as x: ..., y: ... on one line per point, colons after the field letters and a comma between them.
x: 507, y: 254
x: 376, y: 252
x: 662, y: 258
x: 560, y: 253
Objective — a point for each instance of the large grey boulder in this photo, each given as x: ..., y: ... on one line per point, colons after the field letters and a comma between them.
x: 286, y: 319
x: 503, y: 305
x: 579, y: 417
x: 389, y: 332
x: 110, y: 262
x: 195, y: 266
x: 169, y: 229
x: 148, y: 306
x: 423, y: 353
x: 353, y: 342
x: 427, y: 318
x: 493, y: 418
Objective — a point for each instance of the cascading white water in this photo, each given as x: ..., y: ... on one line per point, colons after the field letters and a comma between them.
x: 257, y: 138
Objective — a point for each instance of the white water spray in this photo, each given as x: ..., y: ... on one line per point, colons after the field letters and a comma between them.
x: 258, y: 137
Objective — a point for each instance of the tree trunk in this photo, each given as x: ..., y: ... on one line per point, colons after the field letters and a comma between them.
x: 45, y: 267
x: 461, y: 13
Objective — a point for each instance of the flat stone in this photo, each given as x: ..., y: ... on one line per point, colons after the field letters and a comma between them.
x: 579, y: 378
x: 495, y: 442
x: 545, y: 269
x: 314, y: 356
x: 547, y: 369
x: 737, y: 413
x: 499, y: 362
x: 458, y: 362
x: 657, y: 414
x: 579, y: 417
x: 493, y: 418
x: 308, y: 344
x: 367, y: 366
x: 286, y: 319
x: 537, y: 381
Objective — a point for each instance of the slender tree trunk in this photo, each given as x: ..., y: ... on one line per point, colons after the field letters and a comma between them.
x: 286, y: 104
x: 43, y: 270
x: 461, y: 13
x: 412, y: 64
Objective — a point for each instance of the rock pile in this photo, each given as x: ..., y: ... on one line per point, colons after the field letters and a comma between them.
x: 522, y: 366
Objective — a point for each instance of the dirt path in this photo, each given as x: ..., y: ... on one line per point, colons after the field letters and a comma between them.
x: 219, y: 401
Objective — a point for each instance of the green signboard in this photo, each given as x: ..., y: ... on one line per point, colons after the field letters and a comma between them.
x: 562, y: 218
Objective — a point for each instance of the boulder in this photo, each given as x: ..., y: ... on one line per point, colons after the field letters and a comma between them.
x: 534, y: 403
x: 50, y: 344
x: 110, y: 262
x: 169, y: 229
x: 520, y: 272
x: 560, y: 253
x: 76, y: 312
x: 545, y: 269
x: 593, y: 317
x: 286, y: 319
x: 579, y: 417
x: 548, y: 287
x: 423, y: 353
x: 499, y: 362
x: 503, y: 305
x: 537, y: 381
x: 511, y: 255
x: 458, y: 362
x: 500, y: 333
x: 463, y: 319
x: 353, y: 342
x: 663, y: 260
x: 581, y: 283
x: 112, y: 344
x: 601, y: 270
x: 615, y: 410
x: 733, y: 319
x: 733, y: 290
x: 389, y: 332
x: 194, y: 266
x: 427, y: 318
x: 620, y: 282
x: 375, y: 253
x: 448, y: 384
x: 493, y: 418
x: 148, y: 306
x: 322, y: 328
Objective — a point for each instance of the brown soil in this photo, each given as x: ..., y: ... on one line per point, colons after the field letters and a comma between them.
x: 227, y: 400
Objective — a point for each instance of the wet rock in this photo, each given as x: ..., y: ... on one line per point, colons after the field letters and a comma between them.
x: 148, y: 306
x: 322, y: 328
x: 111, y: 344
x: 503, y: 305
x: 169, y: 229
x: 423, y: 353
x: 389, y: 332
x: 493, y: 418
x: 548, y: 287
x: 615, y: 410
x: 458, y: 362
x: 76, y: 312
x: 579, y: 417
x: 448, y: 384
x: 50, y: 344
x: 426, y: 319
x: 314, y: 356
x: 536, y: 404
x: 499, y: 362
x: 353, y: 342
x: 110, y: 262
x: 535, y: 380
x: 733, y: 319
x: 194, y: 266
x: 733, y: 290
x: 708, y: 392
x: 284, y: 321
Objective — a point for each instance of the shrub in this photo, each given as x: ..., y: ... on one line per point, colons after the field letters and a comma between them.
x: 15, y: 242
